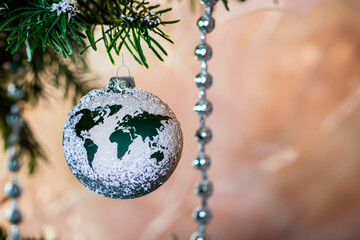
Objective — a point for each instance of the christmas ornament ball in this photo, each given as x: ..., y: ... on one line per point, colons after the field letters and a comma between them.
x: 122, y: 144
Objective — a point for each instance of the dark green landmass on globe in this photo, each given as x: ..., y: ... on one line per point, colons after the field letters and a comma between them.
x: 91, y: 149
x: 87, y: 121
x: 159, y: 156
x: 143, y: 125
x: 123, y: 141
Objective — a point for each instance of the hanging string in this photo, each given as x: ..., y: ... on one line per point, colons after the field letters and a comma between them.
x: 204, y: 188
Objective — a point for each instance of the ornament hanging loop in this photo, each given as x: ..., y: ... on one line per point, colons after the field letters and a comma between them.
x: 120, y: 83
x: 122, y: 66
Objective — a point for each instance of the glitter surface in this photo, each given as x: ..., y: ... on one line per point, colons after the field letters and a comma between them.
x: 122, y: 145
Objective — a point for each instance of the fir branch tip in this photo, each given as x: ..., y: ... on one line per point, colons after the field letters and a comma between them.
x: 65, y: 6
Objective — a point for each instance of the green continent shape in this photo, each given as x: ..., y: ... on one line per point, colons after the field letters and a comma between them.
x: 91, y: 149
x: 87, y: 122
x: 114, y: 109
x: 144, y: 124
x: 123, y: 141
x: 159, y: 156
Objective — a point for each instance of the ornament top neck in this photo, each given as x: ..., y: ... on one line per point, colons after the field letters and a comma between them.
x: 118, y: 84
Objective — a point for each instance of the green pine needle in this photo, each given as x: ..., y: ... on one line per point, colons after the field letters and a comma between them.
x: 34, y: 24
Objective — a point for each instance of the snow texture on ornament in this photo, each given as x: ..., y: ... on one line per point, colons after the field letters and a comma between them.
x: 122, y: 144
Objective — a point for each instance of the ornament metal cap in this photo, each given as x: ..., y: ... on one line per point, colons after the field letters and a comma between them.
x: 118, y: 84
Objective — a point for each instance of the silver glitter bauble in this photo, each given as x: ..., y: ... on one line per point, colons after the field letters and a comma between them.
x: 14, y: 164
x: 122, y: 143
x: 199, y: 236
x: 202, y: 162
x: 203, y: 108
x: 203, y: 80
x: 204, y: 188
x: 206, y: 23
x: 209, y: 2
x: 14, y: 216
x: 203, y: 52
x: 202, y: 215
x: 204, y: 135
x: 12, y: 190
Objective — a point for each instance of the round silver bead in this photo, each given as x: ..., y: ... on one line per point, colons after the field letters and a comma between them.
x: 204, y: 135
x: 203, y: 80
x: 14, y: 109
x: 16, y: 93
x: 202, y: 215
x: 14, y: 164
x: 202, y: 162
x: 14, y: 216
x: 203, y: 52
x: 13, y: 119
x: 199, y: 236
x: 209, y: 2
x: 204, y: 188
x: 12, y: 190
x: 203, y: 108
x: 206, y: 23
x: 13, y: 137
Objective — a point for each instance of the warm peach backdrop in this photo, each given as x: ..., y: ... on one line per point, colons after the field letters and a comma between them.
x: 286, y: 124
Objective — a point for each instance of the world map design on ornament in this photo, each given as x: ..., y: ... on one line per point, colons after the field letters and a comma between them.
x: 141, y: 125
x: 122, y: 145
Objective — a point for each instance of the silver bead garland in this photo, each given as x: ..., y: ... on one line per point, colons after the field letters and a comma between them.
x: 203, y: 80
x: 12, y: 188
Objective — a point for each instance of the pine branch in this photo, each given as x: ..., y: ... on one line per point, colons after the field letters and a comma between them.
x: 51, y: 25
x: 46, y: 69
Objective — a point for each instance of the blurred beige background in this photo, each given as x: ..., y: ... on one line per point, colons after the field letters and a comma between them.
x: 286, y: 125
